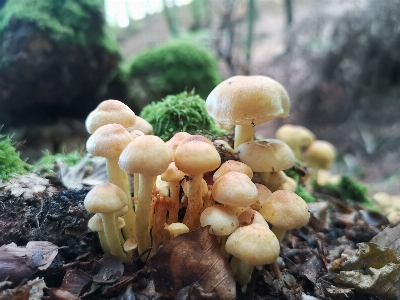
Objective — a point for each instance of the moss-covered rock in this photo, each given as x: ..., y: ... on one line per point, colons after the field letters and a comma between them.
x: 170, y: 69
x: 182, y: 112
x: 55, y: 59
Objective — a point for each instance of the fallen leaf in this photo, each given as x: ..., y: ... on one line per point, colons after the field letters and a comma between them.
x: 17, y: 263
x: 111, y: 269
x: 189, y: 258
x: 36, y: 289
x: 374, y: 270
x: 76, y: 282
x: 389, y: 237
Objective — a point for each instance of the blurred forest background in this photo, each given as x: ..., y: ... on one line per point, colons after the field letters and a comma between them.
x: 338, y: 59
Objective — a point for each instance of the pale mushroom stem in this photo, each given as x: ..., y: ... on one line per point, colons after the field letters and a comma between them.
x: 103, y: 242
x: 121, y: 179
x: 279, y: 232
x: 111, y: 234
x: 135, y: 185
x: 142, y: 212
x: 243, y: 134
x: 195, y: 202
x: 173, y: 205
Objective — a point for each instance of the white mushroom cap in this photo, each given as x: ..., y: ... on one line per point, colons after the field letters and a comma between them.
x: 108, y: 140
x: 235, y: 189
x: 222, y: 220
x: 254, y: 244
x: 176, y: 229
x: 108, y: 112
x: 248, y: 100
x: 233, y: 166
x: 286, y: 210
x: 105, y: 198
x: 146, y: 155
x: 269, y: 155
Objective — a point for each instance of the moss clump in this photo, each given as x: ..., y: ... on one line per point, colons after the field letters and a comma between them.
x: 347, y: 189
x: 303, y: 193
x: 181, y: 112
x: 72, y: 21
x: 10, y: 161
x: 168, y: 70
x: 45, y: 165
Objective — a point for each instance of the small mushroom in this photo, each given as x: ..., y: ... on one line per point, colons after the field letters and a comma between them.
x: 296, y: 137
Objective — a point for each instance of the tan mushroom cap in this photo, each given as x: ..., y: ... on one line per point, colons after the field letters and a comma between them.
x: 248, y: 100
x: 105, y: 198
x: 176, y: 229
x: 222, y: 220
x: 233, y: 166
x: 263, y: 194
x: 295, y: 136
x: 172, y: 174
x: 142, y: 125
x: 135, y: 133
x: 108, y: 140
x: 320, y: 154
x: 286, y: 210
x: 146, y: 155
x: 268, y: 155
x: 196, y: 155
x: 95, y: 223
x: 108, y: 112
x: 254, y: 244
x: 174, y: 142
x: 234, y: 189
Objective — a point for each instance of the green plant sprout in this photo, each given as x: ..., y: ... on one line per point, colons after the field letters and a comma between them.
x: 10, y: 162
x: 182, y: 112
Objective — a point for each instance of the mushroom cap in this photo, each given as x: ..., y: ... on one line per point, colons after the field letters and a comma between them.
x: 294, y: 136
x: 268, y: 155
x: 176, y: 229
x: 105, y: 198
x: 172, y: 173
x: 222, y: 220
x: 204, y: 187
x: 263, y: 194
x: 142, y: 125
x: 196, y: 155
x: 320, y: 154
x: 233, y: 166
x: 108, y: 112
x: 234, y: 189
x: 135, y: 133
x: 108, y: 141
x: 248, y: 100
x: 254, y: 244
x: 285, y: 209
x: 95, y: 223
x: 275, y: 179
x: 146, y: 155
x: 175, y: 140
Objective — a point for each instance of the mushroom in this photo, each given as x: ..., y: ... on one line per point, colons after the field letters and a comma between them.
x: 319, y: 155
x: 176, y: 229
x: 109, y: 141
x: 235, y: 189
x: 266, y: 156
x: 96, y: 224
x: 141, y: 125
x: 108, y: 112
x: 173, y: 175
x: 246, y: 101
x: 285, y: 210
x: 232, y: 166
x: 106, y: 199
x: 174, y: 142
x: 296, y: 137
x: 148, y: 156
x: 194, y: 156
x: 262, y: 196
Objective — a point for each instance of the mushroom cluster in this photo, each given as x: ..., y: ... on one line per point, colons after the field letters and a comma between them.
x: 187, y: 173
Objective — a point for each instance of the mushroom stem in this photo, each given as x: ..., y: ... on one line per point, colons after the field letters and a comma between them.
x: 195, y: 202
x: 143, y: 207
x: 135, y: 185
x: 275, y: 269
x: 121, y: 179
x: 279, y: 232
x: 111, y: 234
x: 173, y: 202
x: 103, y: 242
x: 243, y: 134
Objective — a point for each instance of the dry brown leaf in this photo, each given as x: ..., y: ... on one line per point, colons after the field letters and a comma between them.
x: 389, y: 237
x: 189, y: 258
x: 374, y: 270
x: 76, y: 282
x: 17, y: 263
x: 111, y: 269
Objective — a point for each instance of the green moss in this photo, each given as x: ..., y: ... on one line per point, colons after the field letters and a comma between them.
x: 181, y: 112
x: 45, y: 165
x: 303, y: 193
x: 10, y: 162
x: 347, y: 189
x: 76, y: 21
x: 170, y: 69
